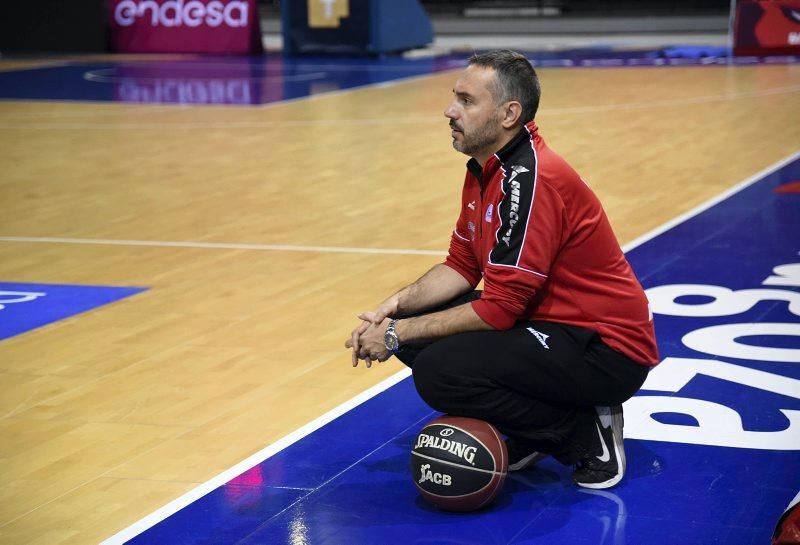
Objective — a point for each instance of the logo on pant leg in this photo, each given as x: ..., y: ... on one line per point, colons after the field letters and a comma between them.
x: 541, y: 337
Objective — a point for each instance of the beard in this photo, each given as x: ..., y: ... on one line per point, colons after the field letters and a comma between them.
x: 479, y: 139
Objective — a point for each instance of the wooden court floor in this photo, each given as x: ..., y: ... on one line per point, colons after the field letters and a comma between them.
x: 320, y: 207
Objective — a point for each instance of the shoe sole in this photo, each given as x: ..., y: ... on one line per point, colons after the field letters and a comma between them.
x: 617, y: 425
x: 527, y: 462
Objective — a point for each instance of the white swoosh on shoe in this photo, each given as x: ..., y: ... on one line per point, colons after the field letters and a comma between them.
x: 606, y: 456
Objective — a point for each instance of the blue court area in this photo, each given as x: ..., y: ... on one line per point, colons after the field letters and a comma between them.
x: 713, y: 439
x: 274, y: 77
x: 24, y: 307
x: 210, y: 80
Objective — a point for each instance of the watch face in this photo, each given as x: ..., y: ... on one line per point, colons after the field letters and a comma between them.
x: 390, y: 341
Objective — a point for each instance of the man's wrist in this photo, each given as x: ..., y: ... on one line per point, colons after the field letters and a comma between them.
x: 390, y: 339
x: 401, y: 329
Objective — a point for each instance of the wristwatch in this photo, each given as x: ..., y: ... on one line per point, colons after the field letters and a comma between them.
x: 390, y: 340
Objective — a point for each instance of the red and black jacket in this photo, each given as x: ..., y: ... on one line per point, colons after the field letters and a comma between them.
x: 539, y: 238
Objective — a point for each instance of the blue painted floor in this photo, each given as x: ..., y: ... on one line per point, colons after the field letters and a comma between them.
x: 29, y: 306
x: 349, y: 482
x: 711, y: 461
x: 241, y: 81
x: 245, y: 81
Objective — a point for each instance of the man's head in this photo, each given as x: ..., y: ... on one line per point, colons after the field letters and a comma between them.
x: 495, y: 96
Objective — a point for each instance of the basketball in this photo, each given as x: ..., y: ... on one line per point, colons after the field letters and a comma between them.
x: 459, y: 464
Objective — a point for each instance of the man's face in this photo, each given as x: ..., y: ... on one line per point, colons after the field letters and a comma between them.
x: 475, y: 118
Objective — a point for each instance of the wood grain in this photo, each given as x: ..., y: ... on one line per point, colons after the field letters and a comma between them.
x: 110, y: 414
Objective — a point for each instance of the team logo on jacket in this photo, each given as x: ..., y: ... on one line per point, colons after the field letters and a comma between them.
x: 471, y: 227
x: 489, y: 213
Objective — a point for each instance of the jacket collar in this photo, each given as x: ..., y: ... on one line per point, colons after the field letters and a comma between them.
x: 524, y: 135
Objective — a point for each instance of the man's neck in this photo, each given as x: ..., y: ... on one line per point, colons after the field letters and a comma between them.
x: 505, y: 138
x: 482, y: 158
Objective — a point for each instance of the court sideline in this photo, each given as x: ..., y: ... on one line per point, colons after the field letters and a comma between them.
x: 258, y: 233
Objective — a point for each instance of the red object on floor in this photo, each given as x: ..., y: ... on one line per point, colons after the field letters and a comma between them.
x: 789, y: 187
x: 788, y: 530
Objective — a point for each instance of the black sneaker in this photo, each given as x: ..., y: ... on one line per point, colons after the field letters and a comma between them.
x: 519, y: 457
x: 607, y: 469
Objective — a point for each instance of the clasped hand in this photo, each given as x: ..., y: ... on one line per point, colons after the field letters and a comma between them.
x: 366, y: 340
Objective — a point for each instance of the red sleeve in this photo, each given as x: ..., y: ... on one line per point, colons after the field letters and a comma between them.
x: 532, y: 223
x: 461, y: 257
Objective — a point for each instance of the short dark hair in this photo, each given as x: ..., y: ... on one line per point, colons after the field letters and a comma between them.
x: 516, y: 79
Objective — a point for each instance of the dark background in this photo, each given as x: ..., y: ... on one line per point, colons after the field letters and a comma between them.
x: 29, y: 26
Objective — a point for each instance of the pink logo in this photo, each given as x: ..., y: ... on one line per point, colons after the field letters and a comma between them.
x: 176, y: 13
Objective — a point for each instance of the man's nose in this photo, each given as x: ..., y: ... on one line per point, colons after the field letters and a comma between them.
x: 451, y: 112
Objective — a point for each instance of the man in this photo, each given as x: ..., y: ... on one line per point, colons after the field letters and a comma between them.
x: 561, y: 334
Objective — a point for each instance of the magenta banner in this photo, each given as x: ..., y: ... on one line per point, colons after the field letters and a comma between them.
x: 767, y: 27
x: 184, y: 26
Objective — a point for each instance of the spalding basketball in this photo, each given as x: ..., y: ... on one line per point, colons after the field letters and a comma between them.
x: 459, y: 464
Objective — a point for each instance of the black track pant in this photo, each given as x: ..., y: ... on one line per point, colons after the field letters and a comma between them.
x: 537, y: 382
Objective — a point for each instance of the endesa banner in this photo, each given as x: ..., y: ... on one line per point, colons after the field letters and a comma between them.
x: 184, y: 26
x: 767, y: 27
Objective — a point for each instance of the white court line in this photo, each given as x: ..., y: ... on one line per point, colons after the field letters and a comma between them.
x: 53, y: 122
x: 709, y: 203
x: 97, y: 77
x: 196, y: 493
x: 171, y: 106
x: 227, y: 246
x: 379, y: 251
x: 174, y: 506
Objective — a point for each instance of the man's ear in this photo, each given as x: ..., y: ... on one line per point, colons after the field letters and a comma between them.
x: 512, y: 111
